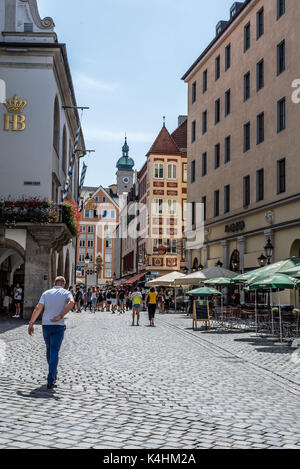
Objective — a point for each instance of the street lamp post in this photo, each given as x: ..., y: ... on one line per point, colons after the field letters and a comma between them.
x: 269, y: 248
x: 87, y: 261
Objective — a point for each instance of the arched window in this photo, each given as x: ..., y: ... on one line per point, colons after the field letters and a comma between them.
x: 65, y: 151
x: 56, y: 126
x: 235, y: 261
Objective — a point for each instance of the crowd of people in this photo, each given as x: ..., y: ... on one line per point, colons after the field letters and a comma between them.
x: 121, y: 300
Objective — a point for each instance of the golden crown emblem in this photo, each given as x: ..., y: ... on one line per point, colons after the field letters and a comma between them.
x: 15, y: 105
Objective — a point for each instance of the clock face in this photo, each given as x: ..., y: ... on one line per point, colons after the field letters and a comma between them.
x: 126, y: 180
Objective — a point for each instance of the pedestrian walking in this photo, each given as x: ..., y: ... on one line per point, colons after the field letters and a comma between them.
x: 56, y: 304
x: 101, y: 301
x: 161, y: 301
x: 136, y: 305
x: 88, y: 303
x: 94, y: 299
x: 121, y: 301
x: 78, y: 299
x: 18, y: 295
x: 6, y: 296
x: 152, y: 302
x: 108, y: 300
x: 114, y: 300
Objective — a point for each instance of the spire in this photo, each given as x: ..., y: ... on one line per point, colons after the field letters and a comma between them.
x: 125, y: 148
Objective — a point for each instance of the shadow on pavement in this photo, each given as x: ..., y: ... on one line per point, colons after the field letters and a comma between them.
x: 40, y: 393
x: 7, y: 324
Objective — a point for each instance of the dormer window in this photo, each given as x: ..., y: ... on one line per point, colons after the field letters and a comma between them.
x: 28, y: 27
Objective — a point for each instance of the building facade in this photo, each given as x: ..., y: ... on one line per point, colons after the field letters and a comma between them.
x: 162, y: 198
x: 98, y: 220
x: 243, y: 138
x: 37, y: 136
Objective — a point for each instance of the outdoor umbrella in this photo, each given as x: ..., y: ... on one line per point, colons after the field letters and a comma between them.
x: 192, y: 279
x: 205, y: 291
x: 268, y: 271
x: 165, y: 281
x: 276, y: 282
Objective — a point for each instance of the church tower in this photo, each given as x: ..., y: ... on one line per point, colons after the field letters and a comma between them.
x: 125, y: 173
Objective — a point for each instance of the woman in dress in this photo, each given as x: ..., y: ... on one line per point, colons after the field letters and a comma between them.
x: 18, y: 293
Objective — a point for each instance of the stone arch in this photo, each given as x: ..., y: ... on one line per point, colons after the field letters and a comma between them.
x: 56, y: 126
x: 10, y: 245
x: 60, y: 264
x: 67, y: 269
x: 295, y: 249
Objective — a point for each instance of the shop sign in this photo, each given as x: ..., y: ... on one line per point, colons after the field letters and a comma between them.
x: 14, y: 120
x: 235, y: 227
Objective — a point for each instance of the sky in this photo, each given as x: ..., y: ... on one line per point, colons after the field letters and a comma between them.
x: 127, y: 58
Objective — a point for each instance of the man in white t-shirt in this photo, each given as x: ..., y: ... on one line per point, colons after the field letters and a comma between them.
x: 56, y: 303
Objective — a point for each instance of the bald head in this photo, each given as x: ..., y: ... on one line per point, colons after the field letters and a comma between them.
x: 60, y: 282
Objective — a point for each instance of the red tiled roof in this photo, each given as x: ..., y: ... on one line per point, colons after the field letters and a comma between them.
x: 180, y: 135
x: 164, y: 144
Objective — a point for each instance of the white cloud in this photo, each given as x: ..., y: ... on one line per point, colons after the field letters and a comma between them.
x: 103, y: 135
x: 84, y: 81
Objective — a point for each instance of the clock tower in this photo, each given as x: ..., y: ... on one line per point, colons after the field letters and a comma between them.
x: 125, y: 173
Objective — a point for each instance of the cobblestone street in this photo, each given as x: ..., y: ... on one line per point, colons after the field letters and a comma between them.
x: 140, y: 388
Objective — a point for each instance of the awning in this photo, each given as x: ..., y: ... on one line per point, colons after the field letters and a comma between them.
x: 134, y: 279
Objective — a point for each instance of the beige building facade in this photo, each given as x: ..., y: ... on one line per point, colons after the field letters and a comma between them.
x: 244, y: 139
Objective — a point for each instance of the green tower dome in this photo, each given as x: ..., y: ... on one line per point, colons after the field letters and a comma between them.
x: 125, y: 163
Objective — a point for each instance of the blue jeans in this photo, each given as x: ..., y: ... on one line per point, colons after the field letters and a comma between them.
x: 53, y: 336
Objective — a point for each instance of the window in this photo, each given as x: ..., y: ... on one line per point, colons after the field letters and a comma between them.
x: 281, y: 176
x: 247, y: 195
x: 280, y: 8
x: 108, y: 258
x: 205, y: 81
x: 193, y: 131
x: 204, y: 164
x: 172, y: 171
x: 157, y: 243
x: 172, y: 246
x: 260, y: 23
x: 227, y: 57
x: 87, y: 214
x: 107, y: 273
x: 90, y: 244
x: 216, y: 203
x: 28, y: 27
x: 193, y: 171
x: 247, y: 37
x: 185, y: 172
x: 108, y: 243
x: 158, y: 206
x: 193, y: 215
x: 260, y: 185
x: 218, y: 67
x: 113, y: 214
x: 227, y: 102
x: 64, y: 151
x: 281, y: 58
x: 217, y: 155
x: 226, y: 199
x: 260, y: 128
x: 204, y: 208
x: 81, y: 258
x: 172, y: 207
x: 90, y: 229
x: 83, y: 229
x: 96, y: 199
x: 158, y: 171
x: 227, y: 149
x: 247, y: 82
x: 247, y: 137
x: 82, y: 243
x: 204, y: 122
x: 260, y: 75
x: 217, y: 111
x: 56, y: 126
x: 194, y: 92
x: 104, y: 214
x: 281, y: 115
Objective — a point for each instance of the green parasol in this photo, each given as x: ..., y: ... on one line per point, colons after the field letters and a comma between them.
x: 282, y: 267
x: 205, y: 291
x: 219, y: 282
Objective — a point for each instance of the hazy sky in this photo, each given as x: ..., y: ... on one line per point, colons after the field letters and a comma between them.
x: 127, y: 58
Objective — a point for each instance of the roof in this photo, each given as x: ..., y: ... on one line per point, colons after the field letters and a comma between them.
x: 213, y: 42
x: 164, y: 144
x: 180, y: 135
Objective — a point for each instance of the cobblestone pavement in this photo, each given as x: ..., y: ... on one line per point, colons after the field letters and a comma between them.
x: 140, y: 388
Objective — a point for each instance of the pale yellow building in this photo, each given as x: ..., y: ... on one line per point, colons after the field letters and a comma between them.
x: 244, y: 139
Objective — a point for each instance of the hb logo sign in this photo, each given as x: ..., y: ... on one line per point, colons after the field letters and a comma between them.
x: 14, y: 120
